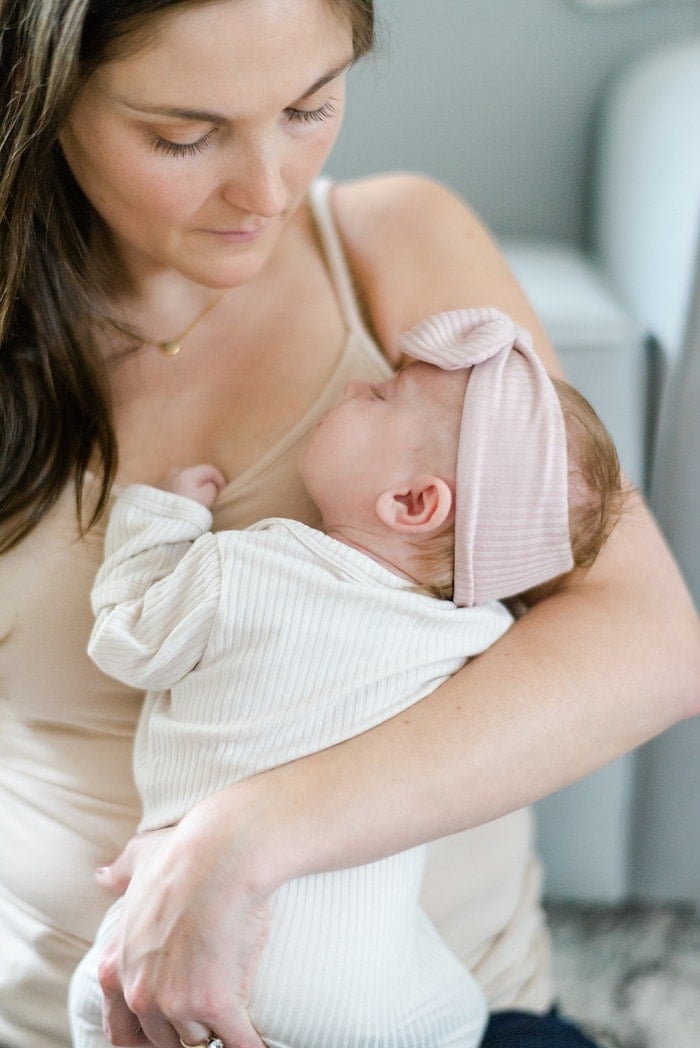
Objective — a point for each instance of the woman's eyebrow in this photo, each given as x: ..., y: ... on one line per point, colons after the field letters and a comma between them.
x: 207, y: 117
x: 326, y: 79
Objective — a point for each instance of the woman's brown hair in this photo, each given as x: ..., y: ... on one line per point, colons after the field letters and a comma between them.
x: 55, y: 413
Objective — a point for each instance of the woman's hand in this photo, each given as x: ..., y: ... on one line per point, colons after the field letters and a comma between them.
x: 182, y: 960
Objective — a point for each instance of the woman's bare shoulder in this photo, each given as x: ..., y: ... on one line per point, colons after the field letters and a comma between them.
x: 391, y: 221
x: 415, y: 248
x: 393, y: 196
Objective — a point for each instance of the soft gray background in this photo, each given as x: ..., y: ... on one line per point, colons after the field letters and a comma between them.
x: 501, y: 100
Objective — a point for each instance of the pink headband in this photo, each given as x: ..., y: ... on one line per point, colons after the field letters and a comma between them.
x: 511, y: 509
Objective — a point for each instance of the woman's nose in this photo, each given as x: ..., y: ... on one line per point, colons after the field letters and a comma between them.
x: 256, y: 184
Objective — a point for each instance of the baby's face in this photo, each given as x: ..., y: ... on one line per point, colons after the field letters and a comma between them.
x: 374, y: 441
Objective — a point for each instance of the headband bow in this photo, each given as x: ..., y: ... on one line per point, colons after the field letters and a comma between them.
x: 511, y: 504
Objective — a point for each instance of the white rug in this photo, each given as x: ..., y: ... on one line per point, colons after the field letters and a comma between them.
x: 630, y: 975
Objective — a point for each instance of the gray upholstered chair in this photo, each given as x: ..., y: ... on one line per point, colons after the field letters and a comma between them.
x: 648, y: 219
x: 625, y: 318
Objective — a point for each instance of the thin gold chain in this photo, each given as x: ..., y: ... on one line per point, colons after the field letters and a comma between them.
x: 171, y: 347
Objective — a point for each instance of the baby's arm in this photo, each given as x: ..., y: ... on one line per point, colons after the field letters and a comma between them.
x: 156, y: 593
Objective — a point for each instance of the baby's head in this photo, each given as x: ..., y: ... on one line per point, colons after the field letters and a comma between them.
x: 496, y: 479
x: 382, y: 463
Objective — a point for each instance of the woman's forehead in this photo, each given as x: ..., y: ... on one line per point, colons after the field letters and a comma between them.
x: 232, y: 54
x: 269, y: 20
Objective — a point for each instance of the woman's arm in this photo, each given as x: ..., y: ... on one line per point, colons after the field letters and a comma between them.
x: 607, y: 661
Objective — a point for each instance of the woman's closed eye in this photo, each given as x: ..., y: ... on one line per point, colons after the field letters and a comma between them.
x: 165, y: 147
x: 310, y: 116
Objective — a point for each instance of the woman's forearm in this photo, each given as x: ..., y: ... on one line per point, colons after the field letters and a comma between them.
x: 589, y: 673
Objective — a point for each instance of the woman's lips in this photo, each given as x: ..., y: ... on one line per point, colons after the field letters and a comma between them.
x: 239, y: 236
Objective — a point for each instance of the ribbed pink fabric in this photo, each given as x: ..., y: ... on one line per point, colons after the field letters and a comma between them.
x: 511, y: 507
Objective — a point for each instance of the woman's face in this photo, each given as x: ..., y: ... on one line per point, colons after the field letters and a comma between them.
x: 197, y: 148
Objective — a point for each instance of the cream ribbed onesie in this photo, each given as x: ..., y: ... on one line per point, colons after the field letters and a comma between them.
x: 258, y: 647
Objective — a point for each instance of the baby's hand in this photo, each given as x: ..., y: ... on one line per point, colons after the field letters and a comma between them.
x: 201, y: 483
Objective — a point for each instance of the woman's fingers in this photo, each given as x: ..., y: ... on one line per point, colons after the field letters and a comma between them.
x: 114, y: 878
x: 239, y: 1033
x: 195, y: 986
x: 125, y: 1029
x: 120, y: 1023
x: 186, y: 946
x: 193, y: 1033
x: 117, y: 876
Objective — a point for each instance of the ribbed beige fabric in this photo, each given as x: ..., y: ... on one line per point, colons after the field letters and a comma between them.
x: 67, y: 800
x: 263, y: 646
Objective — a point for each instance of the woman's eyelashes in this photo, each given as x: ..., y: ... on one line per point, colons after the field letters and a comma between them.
x: 309, y: 116
x: 182, y: 149
x: 166, y: 147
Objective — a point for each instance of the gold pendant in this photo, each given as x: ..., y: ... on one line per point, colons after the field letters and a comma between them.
x: 170, y: 349
x: 172, y: 346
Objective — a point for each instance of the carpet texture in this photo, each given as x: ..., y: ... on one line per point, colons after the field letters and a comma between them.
x: 629, y: 975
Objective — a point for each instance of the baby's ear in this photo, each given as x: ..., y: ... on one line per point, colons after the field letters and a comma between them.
x: 421, y: 508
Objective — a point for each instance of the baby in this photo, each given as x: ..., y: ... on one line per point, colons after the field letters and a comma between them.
x: 442, y: 491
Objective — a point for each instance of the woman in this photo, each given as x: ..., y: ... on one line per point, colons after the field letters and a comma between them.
x: 174, y: 291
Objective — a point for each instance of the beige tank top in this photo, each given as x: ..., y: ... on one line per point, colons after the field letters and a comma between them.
x: 67, y: 800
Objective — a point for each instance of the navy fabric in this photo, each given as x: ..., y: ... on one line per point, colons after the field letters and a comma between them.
x: 527, y: 1030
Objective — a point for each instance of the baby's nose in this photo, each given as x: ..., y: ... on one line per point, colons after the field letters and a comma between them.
x: 354, y: 388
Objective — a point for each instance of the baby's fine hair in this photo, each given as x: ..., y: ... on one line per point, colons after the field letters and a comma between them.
x: 596, y: 497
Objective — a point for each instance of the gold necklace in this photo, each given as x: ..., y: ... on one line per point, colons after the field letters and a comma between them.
x: 171, y: 347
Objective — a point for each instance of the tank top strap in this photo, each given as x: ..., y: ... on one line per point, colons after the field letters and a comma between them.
x: 341, y: 276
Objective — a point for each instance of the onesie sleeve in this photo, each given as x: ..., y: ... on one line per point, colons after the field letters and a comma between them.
x: 156, y: 594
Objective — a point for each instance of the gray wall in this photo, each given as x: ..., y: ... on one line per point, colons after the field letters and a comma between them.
x: 498, y: 99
